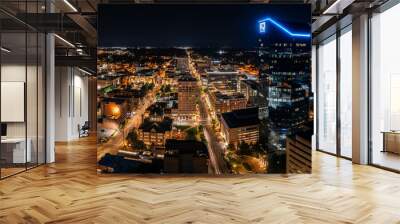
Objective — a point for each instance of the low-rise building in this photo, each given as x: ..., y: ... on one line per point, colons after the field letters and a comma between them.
x: 241, y: 126
x: 156, y: 111
x: 229, y: 79
x: 250, y: 89
x: 155, y: 133
x: 185, y: 156
x: 171, y: 78
x: 222, y: 102
x: 145, y: 75
x: 133, y: 96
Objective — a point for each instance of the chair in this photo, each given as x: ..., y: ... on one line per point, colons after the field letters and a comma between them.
x: 84, y: 130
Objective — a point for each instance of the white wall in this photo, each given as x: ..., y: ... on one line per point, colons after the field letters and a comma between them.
x: 33, y: 127
x: 71, y: 102
x: 80, y: 111
x: 12, y: 73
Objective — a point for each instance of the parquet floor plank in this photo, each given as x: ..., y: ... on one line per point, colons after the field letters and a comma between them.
x: 71, y: 191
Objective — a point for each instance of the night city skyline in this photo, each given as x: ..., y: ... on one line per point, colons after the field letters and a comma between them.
x: 214, y: 89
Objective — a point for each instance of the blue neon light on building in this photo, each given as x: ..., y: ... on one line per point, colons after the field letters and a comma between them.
x: 262, y: 25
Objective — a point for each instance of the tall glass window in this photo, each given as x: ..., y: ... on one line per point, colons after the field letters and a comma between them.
x: 385, y: 89
x: 14, y: 155
x: 345, y: 92
x: 326, y: 96
x: 22, y: 92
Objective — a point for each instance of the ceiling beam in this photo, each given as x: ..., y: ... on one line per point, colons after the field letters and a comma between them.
x: 89, y: 30
x: 78, y: 61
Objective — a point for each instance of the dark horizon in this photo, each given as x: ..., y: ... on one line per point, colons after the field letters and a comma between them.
x: 217, y: 26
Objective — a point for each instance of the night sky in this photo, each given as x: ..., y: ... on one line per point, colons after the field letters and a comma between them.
x: 219, y: 26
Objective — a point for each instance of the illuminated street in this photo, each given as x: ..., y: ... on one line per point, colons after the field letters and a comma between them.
x: 214, y: 147
x: 199, y: 110
x: 117, y: 140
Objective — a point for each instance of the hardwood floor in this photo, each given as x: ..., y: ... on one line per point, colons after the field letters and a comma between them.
x: 70, y: 191
x: 386, y: 159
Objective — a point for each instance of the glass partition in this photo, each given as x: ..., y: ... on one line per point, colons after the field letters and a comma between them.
x: 22, y: 88
x: 334, y: 94
x: 13, y: 94
x: 41, y: 97
x: 31, y: 97
x: 326, y: 96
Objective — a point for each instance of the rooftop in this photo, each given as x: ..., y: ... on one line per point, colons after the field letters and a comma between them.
x: 113, y: 100
x: 175, y: 147
x: 127, y: 93
x: 145, y: 72
x: 171, y: 74
x: 157, y: 108
x: 252, y: 83
x: 223, y: 96
x: 242, y: 117
x: 159, y: 127
x: 222, y: 73
x: 186, y: 78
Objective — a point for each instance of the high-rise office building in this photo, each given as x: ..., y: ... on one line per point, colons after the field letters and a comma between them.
x: 285, y: 87
x: 188, y: 93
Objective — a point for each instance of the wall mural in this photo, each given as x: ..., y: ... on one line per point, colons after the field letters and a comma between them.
x: 213, y: 89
